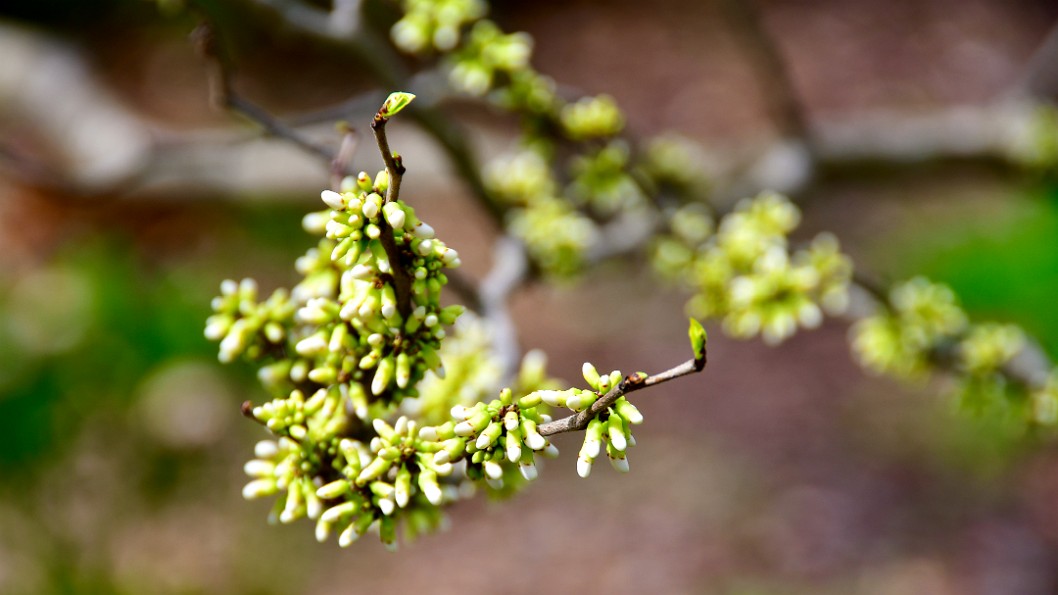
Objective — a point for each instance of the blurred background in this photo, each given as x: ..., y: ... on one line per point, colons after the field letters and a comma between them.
x: 125, y: 197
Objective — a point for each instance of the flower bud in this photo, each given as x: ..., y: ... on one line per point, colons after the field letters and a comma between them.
x: 333, y: 199
x: 591, y: 375
x: 394, y: 215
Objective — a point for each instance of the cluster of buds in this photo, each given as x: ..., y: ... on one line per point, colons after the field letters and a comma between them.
x: 592, y: 118
x: 601, y: 180
x: 922, y: 325
x: 393, y: 476
x: 556, y: 234
x: 348, y: 350
x: 245, y: 327
x: 900, y: 339
x: 611, y: 427
x: 746, y: 274
x: 486, y: 52
x: 494, y: 437
x: 434, y: 23
x: 359, y: 333
x: 989, y: 346
x: 283, y: 467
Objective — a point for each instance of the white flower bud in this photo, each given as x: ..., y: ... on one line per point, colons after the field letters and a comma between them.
x: 493, y: 470
x: 430, y: 488
x: 333, y: 199
x: 258, y: 468
x: 583, y: 467
x: 370, y: 208
x: 266, y: 449
x: 423, y: 231
x: 312, y: 345
x: 394, y: 215
x: 323, y: 531
x: 217, y: 327
x: 259, y: 488
x: 332, y: 514
x: 333, y: 490
x: 349, y: 536
x: 315, y: 223
x: 387, y: 506
x: 528, y: 470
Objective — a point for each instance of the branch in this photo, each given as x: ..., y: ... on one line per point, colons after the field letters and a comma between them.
x: 777, y: 87
x: 205, y: 40
x: 395, y: 172
x: 632, y: 383
x: 510, y: 270
x: 1040, y: 78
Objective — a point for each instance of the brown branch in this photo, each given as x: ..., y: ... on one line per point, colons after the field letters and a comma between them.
x: 394, y: 163
x: 395, y: 171
x: 777, y: 88
x: 221, y: 76
x: 1041, y: 74
x: 579, y: 421
x: 342, y: 160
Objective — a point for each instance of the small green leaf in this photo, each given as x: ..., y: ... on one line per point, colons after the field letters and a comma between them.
x: 394, y: 103
x: 698, y: 338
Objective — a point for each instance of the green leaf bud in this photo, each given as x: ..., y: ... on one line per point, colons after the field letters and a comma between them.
x: 697, y: 334
x: 395, y: 103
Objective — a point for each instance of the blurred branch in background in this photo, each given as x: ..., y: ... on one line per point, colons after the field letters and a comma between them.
x: 52, y: 87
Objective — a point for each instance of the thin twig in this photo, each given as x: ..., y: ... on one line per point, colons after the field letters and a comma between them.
x: 777, y: 87
x: 579, y: 421
x: 510, y: 270
x: 394, y: 163
x: 395, y: 172
x: 204, y: 37
x: 342, y: 160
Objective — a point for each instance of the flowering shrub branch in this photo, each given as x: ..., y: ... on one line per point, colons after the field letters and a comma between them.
x: 361, y: 337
